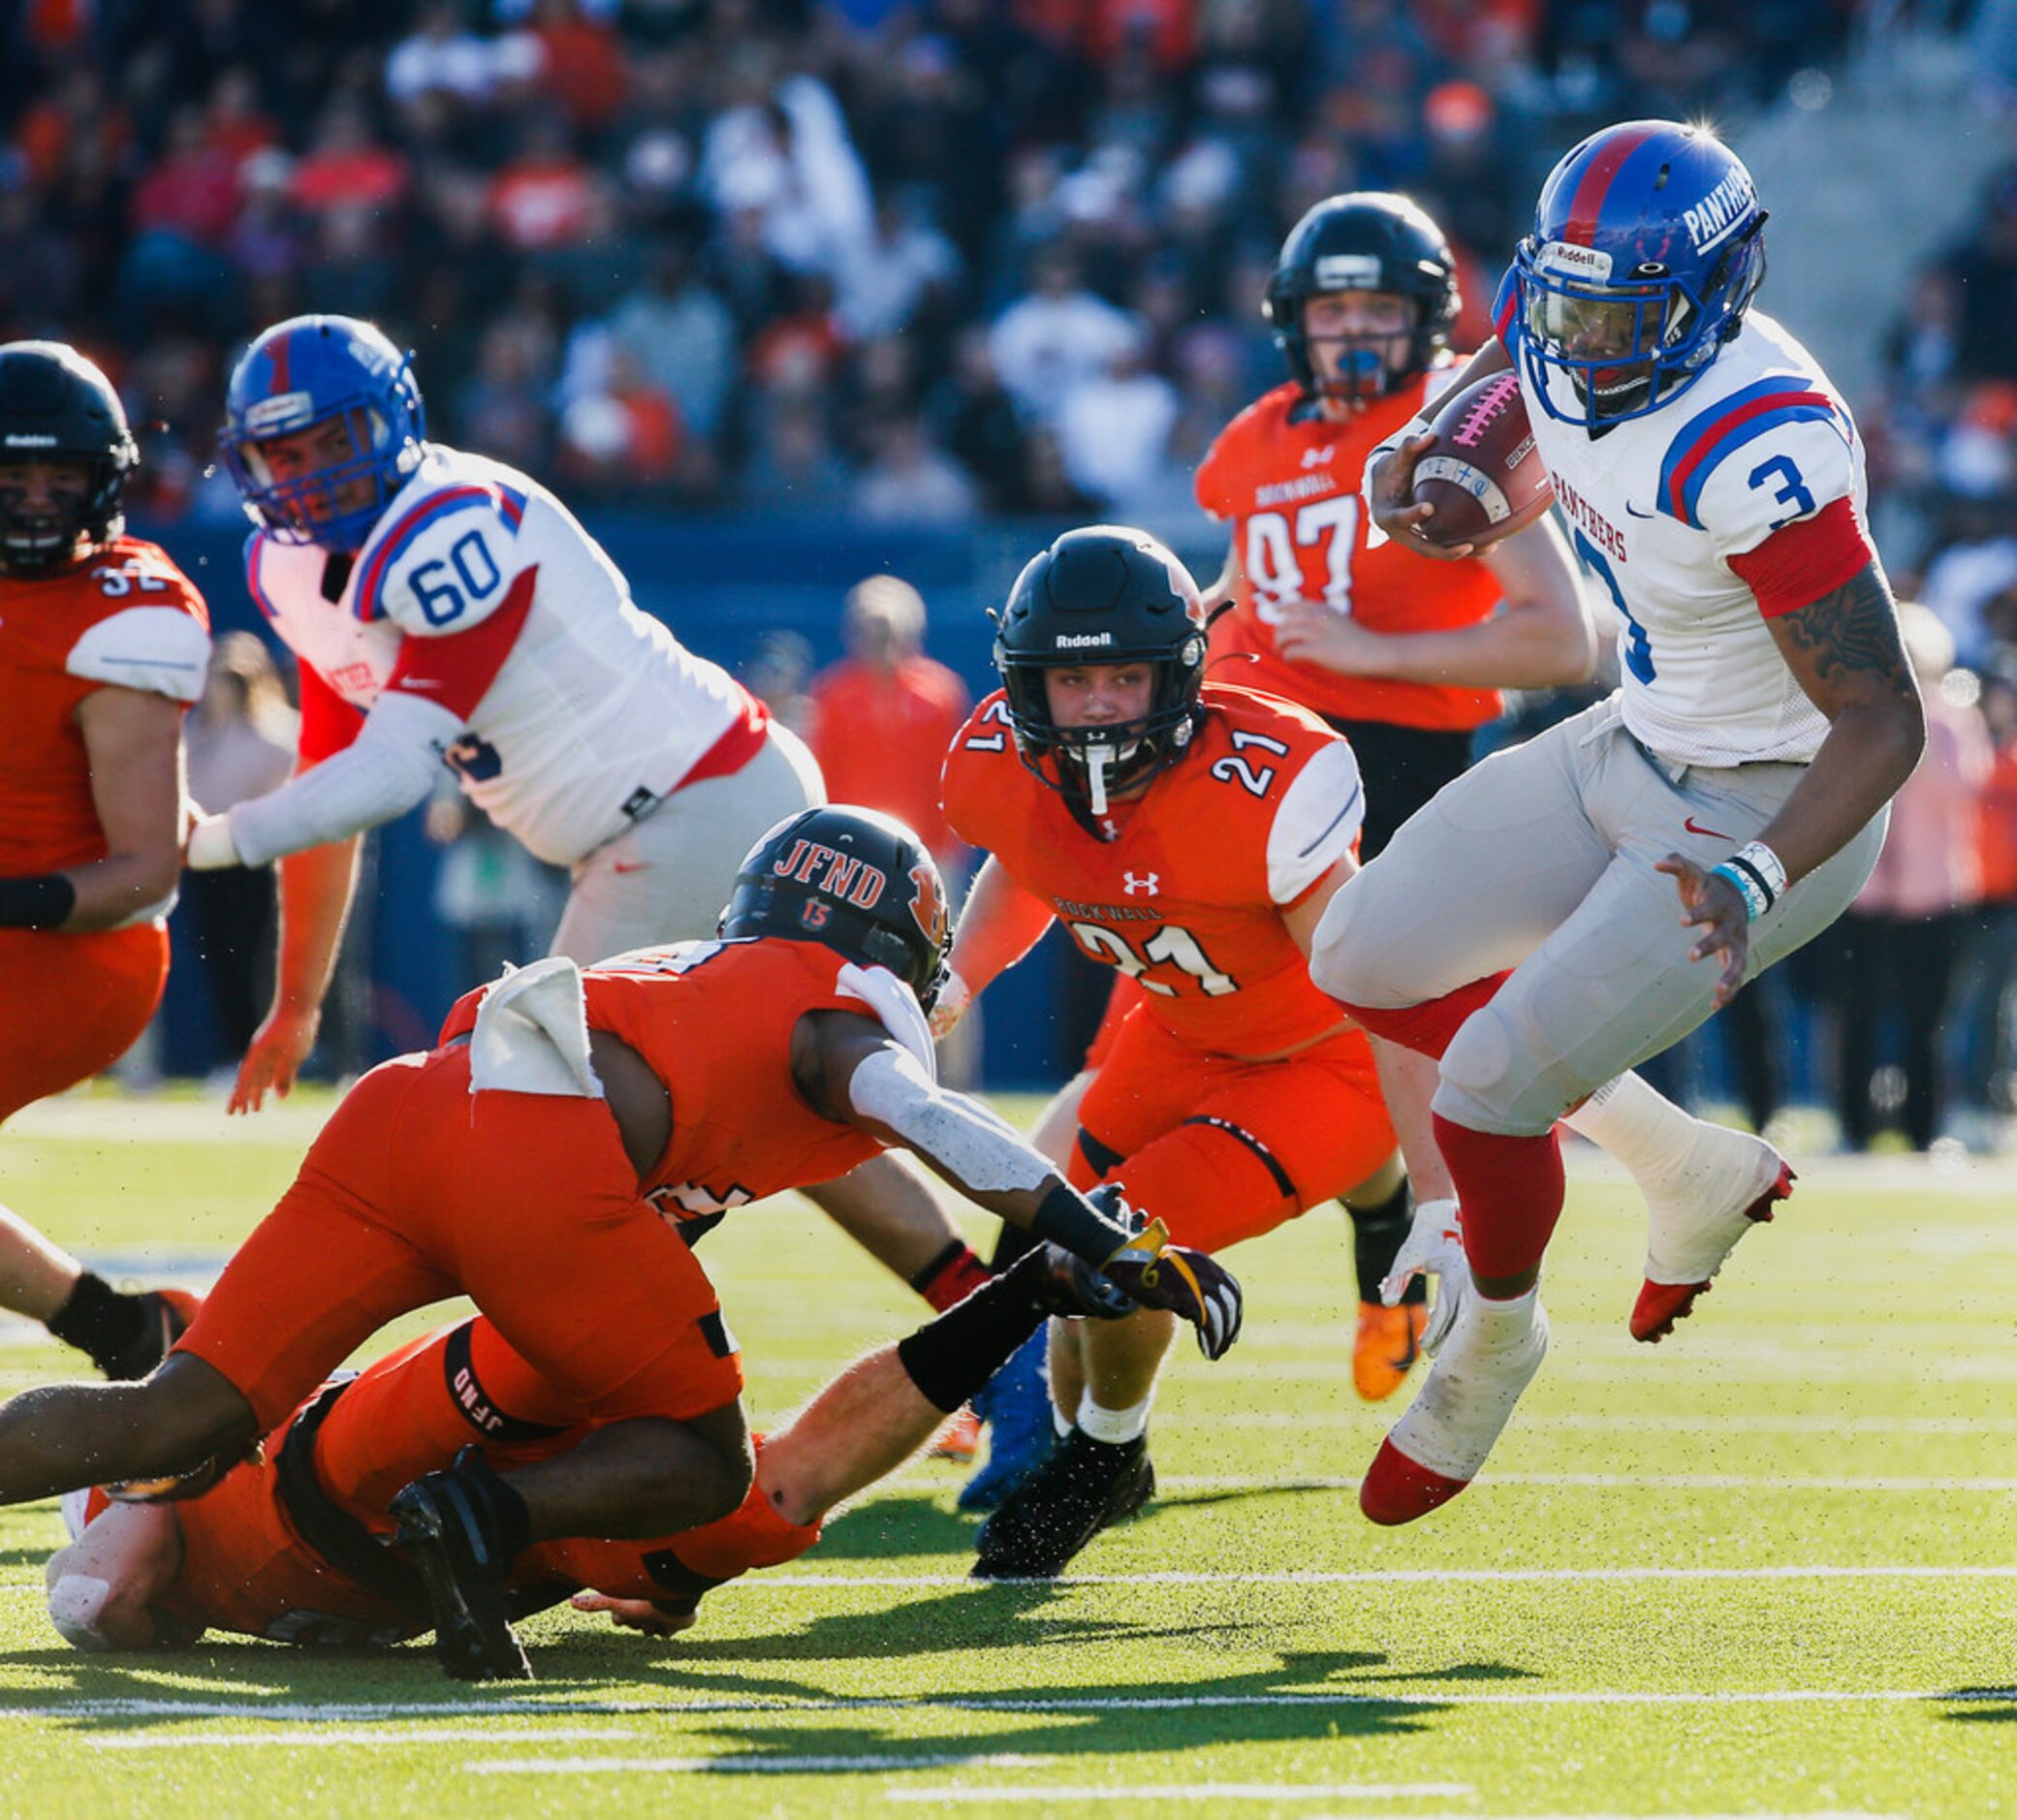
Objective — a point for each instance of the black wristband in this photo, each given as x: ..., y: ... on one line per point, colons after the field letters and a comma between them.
x: 1067, y: 1218
x: 40, y: 902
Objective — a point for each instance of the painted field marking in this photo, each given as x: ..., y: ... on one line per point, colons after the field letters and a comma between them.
x: 747, y: 1766
x: 1199, y: 1790
x: 323, y: 1734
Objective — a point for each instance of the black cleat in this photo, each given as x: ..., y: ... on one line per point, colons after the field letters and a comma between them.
x: 165, y: 1316
x: 442, y: 1529
x: 1082, y: 1488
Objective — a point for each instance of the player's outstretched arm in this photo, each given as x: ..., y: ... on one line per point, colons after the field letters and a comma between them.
x: 1843, y: 649
x: 1001, y: 924
x: 857, y: 1073
x: 315, y: 888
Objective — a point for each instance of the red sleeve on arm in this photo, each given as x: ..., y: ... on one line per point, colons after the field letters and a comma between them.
x: 1799, y: 563
x: 329, y: 723
x: 457, y: 670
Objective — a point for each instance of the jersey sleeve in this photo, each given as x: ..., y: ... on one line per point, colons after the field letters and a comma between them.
x: 448, y: 563
x: 1318, y: 820
x: 1764, y: 457
x: 1218, y: 471
x: 158, y: 651
x: 967, y: 784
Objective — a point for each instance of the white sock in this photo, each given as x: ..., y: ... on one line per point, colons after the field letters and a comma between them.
x: 1500, y: 1324
x: 1469, y: 1396
x: 1114, y: 1426
x: 1643, y: 1129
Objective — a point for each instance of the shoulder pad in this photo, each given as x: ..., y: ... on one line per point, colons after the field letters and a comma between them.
x: 446, y: 562
x: 160, y: 651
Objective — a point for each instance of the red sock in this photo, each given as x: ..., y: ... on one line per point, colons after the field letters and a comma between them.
x: 1510, y: 1190
x: 1429, y: 1026
x: 951, y: 1276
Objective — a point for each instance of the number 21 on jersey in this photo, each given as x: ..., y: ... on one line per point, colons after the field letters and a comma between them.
x: 1273, y: 561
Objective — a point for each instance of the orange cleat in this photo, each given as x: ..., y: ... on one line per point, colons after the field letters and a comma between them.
x: 1388, y: 1341
x: 959, y: 1440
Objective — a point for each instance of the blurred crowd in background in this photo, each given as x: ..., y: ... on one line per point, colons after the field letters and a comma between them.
x: 951, y: 260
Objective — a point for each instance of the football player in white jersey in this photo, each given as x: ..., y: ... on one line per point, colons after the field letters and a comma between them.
x: 448, y: 610
x: 1524, y: 926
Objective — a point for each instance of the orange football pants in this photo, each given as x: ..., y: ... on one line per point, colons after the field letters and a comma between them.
x: 245, y: 1569
x: 416, y: 1190
x: 1223, y: 1150
x: 72, y: 1005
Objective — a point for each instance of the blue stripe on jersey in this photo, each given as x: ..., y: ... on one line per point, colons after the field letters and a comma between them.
x: 369, y: 602
x: 1700, y: 436
x: 255, y: 550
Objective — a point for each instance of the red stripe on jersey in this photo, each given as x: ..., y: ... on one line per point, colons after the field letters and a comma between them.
x: 1801, y: 562
x: 1677, y: 480
x: 457, y: 670
x: 394, y: 539
x: 1589, y: 200
x: 736, y: 747
x: 329, y: 723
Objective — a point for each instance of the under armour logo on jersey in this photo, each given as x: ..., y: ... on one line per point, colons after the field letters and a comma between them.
x: 1145, y: 882
x: 1316, y: 458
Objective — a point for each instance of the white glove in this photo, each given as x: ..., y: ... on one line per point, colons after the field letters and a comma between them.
x: 211, y: 844
x: 1434, y: 1248
x: 950, y: 1006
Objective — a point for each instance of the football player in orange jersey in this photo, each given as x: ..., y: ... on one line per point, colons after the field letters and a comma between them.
x: 104, y: 645
x: 552, y: 1159
x: 1189, y: 834
x: 290, y: 1547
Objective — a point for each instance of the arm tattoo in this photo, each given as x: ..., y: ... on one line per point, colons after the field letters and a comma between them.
x: 1852, y: 633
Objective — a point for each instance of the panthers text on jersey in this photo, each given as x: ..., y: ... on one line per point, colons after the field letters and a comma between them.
x: 714, y: 1021
x: 126, y: 618
x: 1186, y: 898
x: 1672, y: 513
x: 480, y: 592
x: 1289, y: 480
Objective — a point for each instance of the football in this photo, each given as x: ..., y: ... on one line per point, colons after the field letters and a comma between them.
x: 1483, y: 475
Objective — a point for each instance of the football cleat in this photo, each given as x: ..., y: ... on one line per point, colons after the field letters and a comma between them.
x: 1442, y: 1440
x: 1728, y: 1183
x: 1083, y: 1486
x: 1388, y: 1341
x: 166, y: 1315
x: 1016, y: 1406
x: 959, y: 1439
x: 442, y: 1527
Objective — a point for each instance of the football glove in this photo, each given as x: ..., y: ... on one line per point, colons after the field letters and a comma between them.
x: 1152, y: 1272
x: 1434, y: 1248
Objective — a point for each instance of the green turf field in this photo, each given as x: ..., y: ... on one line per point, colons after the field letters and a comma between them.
x: 1767, y: 1567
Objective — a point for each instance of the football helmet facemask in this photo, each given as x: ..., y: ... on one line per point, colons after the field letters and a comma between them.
x: 310, y: 370
x: 856, y: 881
x: 56, y: 406
x: 1365, y: 241
x: 1104, y: 594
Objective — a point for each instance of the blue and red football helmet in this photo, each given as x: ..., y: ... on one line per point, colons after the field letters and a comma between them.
x: 1646, y: 248
x: 305, y: 372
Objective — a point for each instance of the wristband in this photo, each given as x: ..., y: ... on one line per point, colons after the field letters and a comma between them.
x: 1067, y: 1217
x: 40, y: 902
x: 1749, y: 887
x: 1769, y: 870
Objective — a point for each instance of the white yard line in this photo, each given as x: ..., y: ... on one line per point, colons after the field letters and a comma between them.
x: 746, y: 1766
x: 1196, y: 1791
x: 323, y: 1734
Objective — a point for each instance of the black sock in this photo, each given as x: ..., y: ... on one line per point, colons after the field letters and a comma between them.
x: 506, y: 1523
x: 97, y: 1319
x: 951, y: 1358
x: 1378, y: 1235
x: 1011, y: 1247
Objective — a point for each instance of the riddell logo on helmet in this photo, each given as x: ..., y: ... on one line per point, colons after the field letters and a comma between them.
x: 839, y: 874
x: 1575, y: 262
x: 25, y: 440
x: 286, y: 410
x: 1075, y: 640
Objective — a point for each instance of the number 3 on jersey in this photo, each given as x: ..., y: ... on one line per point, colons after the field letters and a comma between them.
x: 1274, y: 569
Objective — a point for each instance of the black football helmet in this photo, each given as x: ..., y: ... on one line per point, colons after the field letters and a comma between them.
x: 1366, y: 241
x: 1103, y: 594
x: 855, y: 880
x: 56, y: 406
